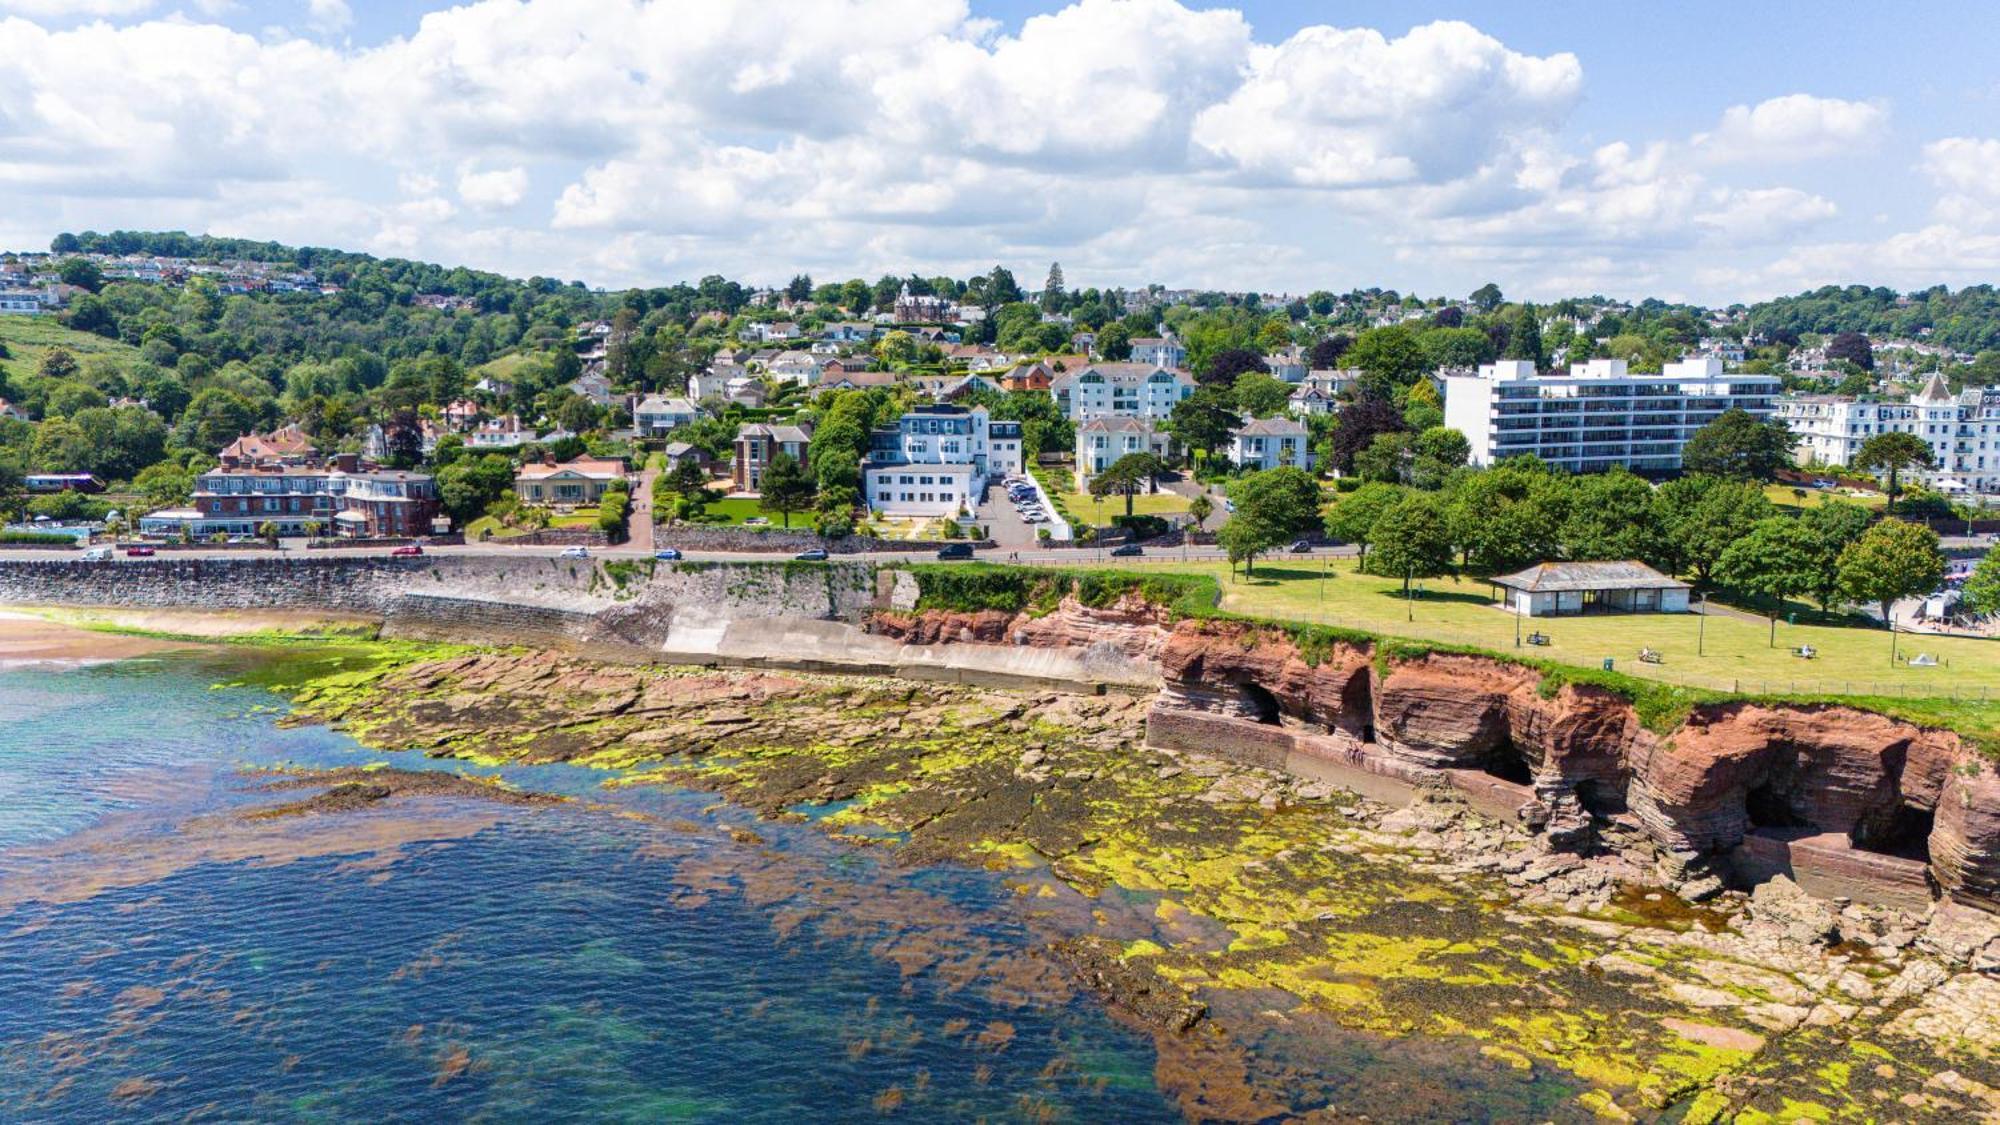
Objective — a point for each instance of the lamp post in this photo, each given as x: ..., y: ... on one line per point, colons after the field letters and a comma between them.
x: 1409, y: 594
x: 1701, y: 626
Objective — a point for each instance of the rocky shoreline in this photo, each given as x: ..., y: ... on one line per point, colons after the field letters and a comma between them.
x: 1237, y: 903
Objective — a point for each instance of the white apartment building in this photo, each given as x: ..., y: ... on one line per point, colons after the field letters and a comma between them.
x: 1159, y: 351
x: 1962, y: 430
x: 1599, y: 415
x: 1122, y: 390
x: 936, y: 462
x: 1269, y: 443
x: 1102, y: 440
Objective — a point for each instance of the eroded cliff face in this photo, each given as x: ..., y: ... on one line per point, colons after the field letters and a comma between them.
x: 1577, y: 754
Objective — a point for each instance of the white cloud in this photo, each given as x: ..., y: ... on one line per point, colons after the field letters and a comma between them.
x: 1793, y: 127
x: 494, y: 190
x: 58, y: 9
x: 329, y: 17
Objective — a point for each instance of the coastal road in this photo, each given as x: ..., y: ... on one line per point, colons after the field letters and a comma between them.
x: 1040, y: 556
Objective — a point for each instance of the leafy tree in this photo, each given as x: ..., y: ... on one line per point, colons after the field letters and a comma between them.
x: 1486, y: 298
x: 1982, y: 586
x: 1892, y: 560
x: 164, y: 484
x: 1389, y: 358
x: 82, y: 273
x: 1385, y: 458
x: 57, y: 363
x: 799, y: 288
x: 1851, y: 347
x: 1327, y: 352
x: 1205, y: 419
x: 1114, y: 342
x: 1273, y: 507
x: 1359, y: 423
x: 1126, y: 476
x: 1199, y: 509
x: 1834, y: 525
x: 1054, y: 296
x: 1524, y: 337
x: 1411, y: 539
x: 214, y: 418
x: 1438, y: 452
x: 1353, y: 515
x: 1700, y: 516
x: 468, y: 485
x: 1738, y: 446
x: 1261, y: 396
x: 1507, y: 517
x: 1612, y: 518
x: 1776, y: 559
x: 1225, y: 367
x: 1894, y: 453
x: 787, y: 487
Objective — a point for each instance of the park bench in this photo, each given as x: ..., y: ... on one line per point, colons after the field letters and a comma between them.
x: 1649, y: 656
x: 1538, y: 638
x: 1805, y: 652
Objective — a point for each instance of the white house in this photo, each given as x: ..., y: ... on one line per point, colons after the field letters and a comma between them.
x: 1552, y: 588
x: 657, y: 415
x: 1268, y: 443
x: 1126, y: 390
x: 1159, y: 351
x: 1962, y: 430
x: 1600, y: 414
x: 1102, y: 440
x: 1310, y: 400
x: 936, y: 461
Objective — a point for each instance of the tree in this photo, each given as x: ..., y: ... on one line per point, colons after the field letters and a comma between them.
x: 1053, y: 294
x: 1205, y: 419
x: 787, y: 487
x: 1507, y: 517
x: 1439, y: 451
x: 1738, y: 446
x: 799, y: 288
x: 1224, y: 367
x: 1272, y: 508
x: 1126, y: 476
x: 1486, y: 298
x: 1524, y: 337
x: 1199, y: 509
x: 1327, y: 352
x: 1359, y: 423
x: 1774, y: 559
x: 1389, y: 358
x: 1411, y: 539
x: 1834, y: 525
x: 1352, y: 517
x: 1114, y: 342
x: 164, y: 485
x: 1612, y: 518
x: 1894, y: 453
x: 1891, y: 561
x: 1982, y: 586
x: 1700, y: 516
x: 1385, y: 458
x: 1261, y: 396
x: 82, y: 273
x: 57, y: 363
x: 1852, y: 347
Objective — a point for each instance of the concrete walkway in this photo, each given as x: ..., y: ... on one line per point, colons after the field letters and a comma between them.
x: 641, y: 529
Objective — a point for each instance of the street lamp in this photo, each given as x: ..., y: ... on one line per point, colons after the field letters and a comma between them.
x: 1701, y: 626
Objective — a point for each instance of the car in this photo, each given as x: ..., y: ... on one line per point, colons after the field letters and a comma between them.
x: 139, y: 551
x: 1127, y: 551
x: 97, y: 554
x: 955, y: 551
x: 668, y: 554
x: 756, y: 521
x: 1823, y: 483
x: 1300, y: 547
x: 573, y: 553
x: 816, y: 554
x: 407, y: 551
x: 1228, y: 505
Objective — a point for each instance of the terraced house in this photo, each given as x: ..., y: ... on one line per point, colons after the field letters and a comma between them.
x: 1120, y: 390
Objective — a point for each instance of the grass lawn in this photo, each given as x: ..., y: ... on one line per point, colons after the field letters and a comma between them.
x: 1781, y: 496
x: 1091, y: 510
x: 28, y: 338
x: 732, y: 511
x: 505, y: 368
x: 1851, y: 660
x: 477, y: 529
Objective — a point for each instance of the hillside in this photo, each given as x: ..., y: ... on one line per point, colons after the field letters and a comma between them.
x: 29, y: 338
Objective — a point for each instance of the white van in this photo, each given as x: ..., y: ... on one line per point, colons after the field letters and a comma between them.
x: 98, y: 554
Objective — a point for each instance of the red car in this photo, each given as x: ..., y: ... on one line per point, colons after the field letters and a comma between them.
x: 407, y: 551
x: 139, y: 552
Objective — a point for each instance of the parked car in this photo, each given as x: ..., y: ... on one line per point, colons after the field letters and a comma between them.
x: 139, y: 551
x: 668, y: 554
x: 756, y: 521
x: 1127, y: 551
x: 1300, y: 547
x: 407, y: 551
x: 97, y: 554
x: 1228, y: 505
x: 574, y: 553
x: 1823, y: 483
x: 955, y: 551
x: 816, y: 554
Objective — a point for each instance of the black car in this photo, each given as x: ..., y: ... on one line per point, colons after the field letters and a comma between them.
x: 1300, y: 547
x: 817, y: 554
x: 955, y: 551
x: 1127, y: 551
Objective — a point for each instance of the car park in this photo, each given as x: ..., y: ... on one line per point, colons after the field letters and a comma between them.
x: 407, y: 551
x: 955, y: 551
x: 815, y: 554
x: 139, y: 551
x: 1127, y: 551
x: 574, y: 553
x: 668, y: 554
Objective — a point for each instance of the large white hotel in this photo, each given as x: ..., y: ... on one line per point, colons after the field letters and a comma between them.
x: 1599, y: 415
x: 1962, y: 430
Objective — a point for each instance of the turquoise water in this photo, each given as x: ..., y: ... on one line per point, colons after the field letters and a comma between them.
x: 623, y: 957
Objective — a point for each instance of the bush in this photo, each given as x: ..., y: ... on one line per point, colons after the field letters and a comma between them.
x: 614, y: 512
x: 37, y: 539
x: 1143, y: 527
x: 1346, y: 484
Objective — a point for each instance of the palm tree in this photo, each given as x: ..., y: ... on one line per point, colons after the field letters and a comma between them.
x: 1199, y: 509
x: 1894, y: 453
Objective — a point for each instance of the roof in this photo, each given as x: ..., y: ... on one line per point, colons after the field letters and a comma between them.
x: 582, y: 466
x: 1115, y: 423
x: 1272, y: 427
x: 1552, y: 576
x: 780, y: 433
x: 288, y: 441
x: 661, y: 404
x: 1123, y: 372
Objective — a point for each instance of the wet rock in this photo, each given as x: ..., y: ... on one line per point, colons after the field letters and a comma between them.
x: 1129, y: 985
x: 1798, y: 917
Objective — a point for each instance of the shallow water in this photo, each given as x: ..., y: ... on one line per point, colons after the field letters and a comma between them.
x: 626, y: 956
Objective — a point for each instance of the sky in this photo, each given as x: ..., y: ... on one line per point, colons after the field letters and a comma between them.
x: 1703, y: 151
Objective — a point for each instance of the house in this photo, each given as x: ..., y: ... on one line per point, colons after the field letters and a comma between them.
x: 462, y: 415
x: 1962, y: 430
x: 858, y: 379
x: 658, y: 416
x: 848, y: 332
x: 1159, y: 351
x: 951, y: 388
x: 345, y: 498
x: 287, y: 445
x: 579, y: 481
x: 20, y: 303
x: 62, y: 482
x: 1130, y: 390
x: 498, y: 388
x: 1552, y: 588
x: 9, y: 410
x: 936, y: 461
x: 594, y: 387
x: 504, y: 432
x: 678, y: 453
x: 798, y: 367
x: 759, y: 443
x: 1289, y: 364
x: 1310, y: 400
x: 1102, y: 440
x: 1268, y: 443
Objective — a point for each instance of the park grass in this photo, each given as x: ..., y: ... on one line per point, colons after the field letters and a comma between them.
x: 1781, y: 496
x: 731, y: 511
x: 1100, y: 512
x: 29, y: 338
x: 477, y: 530
x: 1852, y: 660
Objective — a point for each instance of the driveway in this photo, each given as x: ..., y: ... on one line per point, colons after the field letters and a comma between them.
x: 1008, y: 530
x: 1189, y: 487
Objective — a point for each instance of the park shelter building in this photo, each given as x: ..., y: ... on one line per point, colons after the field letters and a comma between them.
x: 1553, y: 589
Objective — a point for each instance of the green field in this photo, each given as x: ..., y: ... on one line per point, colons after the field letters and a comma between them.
x: 733, y: 510
x: 1782, y: 496
x: 477, y: 529
x: 28, y: 338
x: 1091, y: 510
x: 1852, y: 660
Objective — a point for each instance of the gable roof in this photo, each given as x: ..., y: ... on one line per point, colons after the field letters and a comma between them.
x: 1272, y: 427
x: 1567, y: 576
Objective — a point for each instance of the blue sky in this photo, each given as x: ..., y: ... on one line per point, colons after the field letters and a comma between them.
x: 1705, y: 151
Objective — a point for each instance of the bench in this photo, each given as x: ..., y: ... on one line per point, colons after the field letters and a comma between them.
x: 1648, y: 656
x: 1805, y: 652
x: 1538, y: 638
